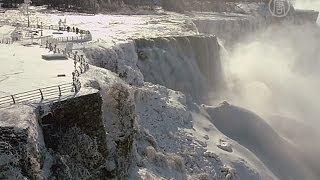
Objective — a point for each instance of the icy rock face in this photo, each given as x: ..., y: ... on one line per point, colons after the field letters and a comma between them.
x: 232, y: 29
x: 21, y: 144
x: 190, y: 64
x: 119, y: 118
x: 120, y: 58
x: 120, y: 124
x: 14, y: 149
x: 78, y: 157
x: 165, y: 148
x: 74, y: 133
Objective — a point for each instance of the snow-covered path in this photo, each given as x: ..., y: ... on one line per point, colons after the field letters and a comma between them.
x: 23, y: 69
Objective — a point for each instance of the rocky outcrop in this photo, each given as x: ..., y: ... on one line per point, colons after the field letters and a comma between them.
x: 74, y: 131
x: 21, y: 144
x: 18, y: 159
x: 120, y: 122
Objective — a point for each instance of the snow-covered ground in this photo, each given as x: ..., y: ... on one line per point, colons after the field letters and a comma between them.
x: 114, y: 28
x: 22, y: 69
x: 21, y: 65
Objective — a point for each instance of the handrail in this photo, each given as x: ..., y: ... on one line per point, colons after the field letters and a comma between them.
x: 5, y: 39
x: 41, y: 94
x: 81, y: 65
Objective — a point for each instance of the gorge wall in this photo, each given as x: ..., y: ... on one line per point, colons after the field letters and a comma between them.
x: 231, y: 29
x: 190, y: 64
x: 74, y: 131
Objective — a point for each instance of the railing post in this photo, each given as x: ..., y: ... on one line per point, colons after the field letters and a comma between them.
x: 82, y: 64
x: 75, y: 87
x: 41, y: 95
x: 55, y: 49
x: 75, y: 56
x: 13, y: 100
x: 59, y: 91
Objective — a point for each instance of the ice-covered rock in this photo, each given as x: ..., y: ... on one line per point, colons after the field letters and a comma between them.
x: 120, y: 58
x: 190, y: 64
x: 21, y: 144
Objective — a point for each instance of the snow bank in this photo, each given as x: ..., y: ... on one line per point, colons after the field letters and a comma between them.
x: 120, y: 58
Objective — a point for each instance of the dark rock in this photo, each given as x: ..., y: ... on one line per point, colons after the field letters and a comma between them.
x: 74, y: 130
x: 18, y: 158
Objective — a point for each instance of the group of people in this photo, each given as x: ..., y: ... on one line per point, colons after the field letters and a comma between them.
x: 62, y: 27
x: 74, y: 29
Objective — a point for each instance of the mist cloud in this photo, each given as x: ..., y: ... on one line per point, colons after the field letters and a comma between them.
x: 275, y: 73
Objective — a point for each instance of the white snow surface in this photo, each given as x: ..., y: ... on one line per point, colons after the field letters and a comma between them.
x: 22, y: 69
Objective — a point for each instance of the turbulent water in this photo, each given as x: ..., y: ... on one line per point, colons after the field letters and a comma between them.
x: 275, y: 74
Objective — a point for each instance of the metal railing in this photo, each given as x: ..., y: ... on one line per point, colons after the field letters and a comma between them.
x: 46, y: 94
x: 81, y: 38
x: 56, y: 45
x: 6, y: 40
x: 81, y: 64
